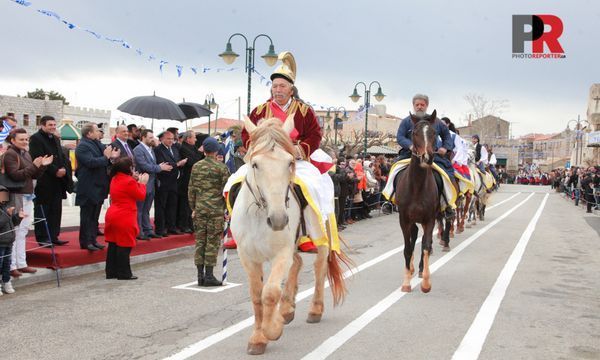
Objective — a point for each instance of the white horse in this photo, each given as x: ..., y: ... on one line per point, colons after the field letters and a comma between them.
x: 265, y: 223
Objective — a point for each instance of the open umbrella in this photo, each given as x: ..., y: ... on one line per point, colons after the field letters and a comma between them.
x: 153, y: 107
x: 194, y: 110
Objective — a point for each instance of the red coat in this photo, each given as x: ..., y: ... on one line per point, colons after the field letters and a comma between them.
x: 308, y: 134
x: 121, y: 218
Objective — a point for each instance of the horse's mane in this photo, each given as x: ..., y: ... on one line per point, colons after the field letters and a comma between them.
x: 268, y: 134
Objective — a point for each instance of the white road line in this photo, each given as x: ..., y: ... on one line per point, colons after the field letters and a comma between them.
x: 471, y: 345
x: 211, y: 340
x: 216, y: 289
x: 336, y: 341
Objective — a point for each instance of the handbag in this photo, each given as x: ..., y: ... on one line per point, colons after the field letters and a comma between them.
x: 7, y: 181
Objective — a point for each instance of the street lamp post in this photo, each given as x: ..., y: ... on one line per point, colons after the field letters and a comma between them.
x: 229, y: 57
x: 378, y: 96
x: 209, y: 102
x: 336, y: 119
x: 578, y: 137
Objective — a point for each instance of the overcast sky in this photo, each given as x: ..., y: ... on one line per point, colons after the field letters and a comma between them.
x: 443, y: 49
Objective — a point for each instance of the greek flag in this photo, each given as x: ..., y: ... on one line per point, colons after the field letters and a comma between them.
x: 5, y: 131
x: 229, y: 152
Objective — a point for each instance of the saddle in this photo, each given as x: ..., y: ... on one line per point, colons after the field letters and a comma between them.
x: 439, y: 182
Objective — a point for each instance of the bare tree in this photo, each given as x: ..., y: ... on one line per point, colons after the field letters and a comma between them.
x: 354, y: 142
x: 482, y: 106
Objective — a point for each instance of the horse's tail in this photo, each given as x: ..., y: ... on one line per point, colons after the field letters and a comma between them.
x: 335, y: 274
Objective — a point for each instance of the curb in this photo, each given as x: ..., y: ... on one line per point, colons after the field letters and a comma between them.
x: 46, y: 275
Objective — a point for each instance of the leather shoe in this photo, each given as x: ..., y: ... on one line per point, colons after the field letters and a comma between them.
x: 143, y: 238
x: 60, y: 242
x: 28, y: 270
x: 174, y: 232
x: 154, y: 236
x: 15, y: 273
x: 129, y: 278
x: 91, y: 247
x: 99, y: 246
x: 188, y: 231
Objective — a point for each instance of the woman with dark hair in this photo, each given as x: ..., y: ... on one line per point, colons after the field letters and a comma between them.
x: 121, y: 227
x: 20, y: 167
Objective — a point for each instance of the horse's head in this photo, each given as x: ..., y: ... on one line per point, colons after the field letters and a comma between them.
x: 423, y: 138
x: 272, y: 163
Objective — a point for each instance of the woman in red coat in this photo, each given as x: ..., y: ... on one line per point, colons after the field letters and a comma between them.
x: 121, y: 227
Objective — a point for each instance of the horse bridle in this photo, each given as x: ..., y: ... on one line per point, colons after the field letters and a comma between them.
x: 260, y: 201
x: 419, y: 156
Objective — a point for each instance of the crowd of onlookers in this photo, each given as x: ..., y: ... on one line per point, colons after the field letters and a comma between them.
x: 37, y: 174
x: 358, y: 183
x: 581, y: 184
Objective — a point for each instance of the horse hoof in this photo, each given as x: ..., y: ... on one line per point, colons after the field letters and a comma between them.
x: 256, y: 349
x: 287, y: 318
x: 446, y: 248
x: 420, y: 274
x: 425, y: 290
x: 406, y: 288
x: 313, y: 318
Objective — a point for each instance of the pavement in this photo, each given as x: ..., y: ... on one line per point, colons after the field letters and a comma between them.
x: 485, y: 300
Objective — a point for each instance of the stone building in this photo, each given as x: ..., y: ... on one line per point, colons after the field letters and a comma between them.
x: 495, y: 132
x: 591, y: 149
x: 28, y: 113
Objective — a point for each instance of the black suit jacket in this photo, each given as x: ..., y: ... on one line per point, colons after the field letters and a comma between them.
x: 187, y: 151
x: 92, y: 179
x: 132, y: 143
x: 48, y: 185
x: 167, y: 180
x: 117, y: 145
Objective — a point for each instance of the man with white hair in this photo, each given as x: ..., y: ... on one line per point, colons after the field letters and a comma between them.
x: 420, y: 104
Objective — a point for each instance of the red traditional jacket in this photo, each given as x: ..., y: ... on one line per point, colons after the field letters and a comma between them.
x: 307, y: 132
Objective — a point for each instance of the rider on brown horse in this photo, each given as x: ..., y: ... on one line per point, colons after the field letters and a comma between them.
x: 404, y: 135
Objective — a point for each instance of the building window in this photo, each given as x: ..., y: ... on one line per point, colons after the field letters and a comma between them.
x: 37, y: 120
x: 25, y: 119
x: 11, y: 114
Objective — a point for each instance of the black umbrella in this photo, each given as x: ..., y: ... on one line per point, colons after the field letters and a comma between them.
x: 194, y: 110
x: 153, y: 107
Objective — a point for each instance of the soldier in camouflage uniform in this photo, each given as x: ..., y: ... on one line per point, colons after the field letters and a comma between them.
x: 205, y: 195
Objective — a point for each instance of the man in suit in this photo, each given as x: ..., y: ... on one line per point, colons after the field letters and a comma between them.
x: 52, y: 185
x: 134, y: 136
x: 121, y: 142
x: 187, y: 151
x: 93, y: 181
x: 165, y: 207
x: 145, y: 160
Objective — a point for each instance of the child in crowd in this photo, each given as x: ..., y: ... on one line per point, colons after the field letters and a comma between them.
x: 9, y: 219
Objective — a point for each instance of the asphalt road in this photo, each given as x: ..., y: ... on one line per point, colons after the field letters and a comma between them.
x: 523, y: 284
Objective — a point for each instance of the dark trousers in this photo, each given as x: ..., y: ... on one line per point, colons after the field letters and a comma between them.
x: 143, y: 214
x: 165, y: 210
x: 184, y: 213
x: 88, y: 224
x: 5, y: 253
x: 341, y: 208
x: 98, y: 211
x: 117, y: 262
x: 53, y: 212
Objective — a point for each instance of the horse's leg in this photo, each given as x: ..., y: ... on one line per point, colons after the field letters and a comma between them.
x: 409, y: 246
x: 317, y: 306
x: 272, y: 324
x: 287, y: 306
x: 440, y: 224
x: 446, y: 235
x: 258, y: 342
x: 467, y: 214
x: 427, y: 249
x: 421, y: 261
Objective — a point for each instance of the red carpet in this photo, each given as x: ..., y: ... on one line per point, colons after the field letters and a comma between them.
x: 70, y: 255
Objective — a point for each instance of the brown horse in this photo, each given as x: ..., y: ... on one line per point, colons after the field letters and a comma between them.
x: 418, y: 200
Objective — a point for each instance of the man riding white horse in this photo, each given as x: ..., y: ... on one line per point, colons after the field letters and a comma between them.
x: 442, y: 164
x: 312, y: 163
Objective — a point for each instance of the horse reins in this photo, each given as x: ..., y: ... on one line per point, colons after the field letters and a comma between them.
x: 260, y: 201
